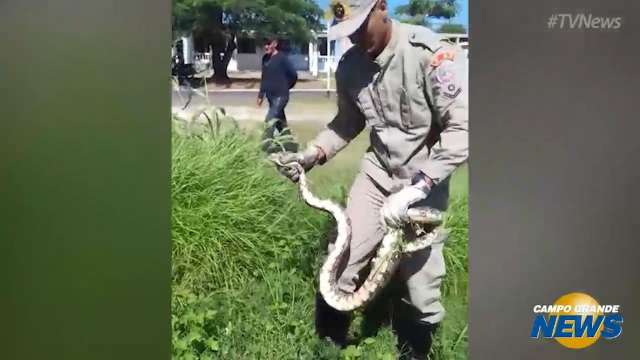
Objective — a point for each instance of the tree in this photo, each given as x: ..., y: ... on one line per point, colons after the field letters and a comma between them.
x: 218, y: 23
x: 452, y: 29
x: 418, y: 11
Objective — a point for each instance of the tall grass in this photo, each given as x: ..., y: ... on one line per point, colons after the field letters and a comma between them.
x: 246, y: 252
x: 233, y: 216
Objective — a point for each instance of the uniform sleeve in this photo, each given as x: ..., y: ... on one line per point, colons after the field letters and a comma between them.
x: 344, y: 127
x: 447, y: 87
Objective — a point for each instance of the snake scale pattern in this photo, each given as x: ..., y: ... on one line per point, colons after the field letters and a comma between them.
x: 386, y: 260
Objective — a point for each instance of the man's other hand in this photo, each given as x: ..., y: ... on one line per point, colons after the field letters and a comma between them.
x: 394, y: 210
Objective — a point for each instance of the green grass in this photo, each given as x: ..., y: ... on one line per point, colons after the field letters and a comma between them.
x: 246, y: 250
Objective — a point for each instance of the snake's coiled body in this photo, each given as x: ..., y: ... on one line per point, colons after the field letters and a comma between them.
x: 383, y: 265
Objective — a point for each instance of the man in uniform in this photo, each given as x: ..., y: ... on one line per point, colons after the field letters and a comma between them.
x: 410, y: 88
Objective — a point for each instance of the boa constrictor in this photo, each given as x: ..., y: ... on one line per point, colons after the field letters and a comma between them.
x: 388, y: 255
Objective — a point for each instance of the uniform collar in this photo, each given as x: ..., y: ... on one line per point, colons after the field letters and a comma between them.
x: 385, y: 56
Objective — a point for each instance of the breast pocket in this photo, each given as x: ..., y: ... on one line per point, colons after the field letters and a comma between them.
x: 414, y: 109
x: 406, y: 115
x: 366, y: 105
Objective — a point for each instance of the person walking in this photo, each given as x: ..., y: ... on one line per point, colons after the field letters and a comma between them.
x: 409, y: 87
x: 278, y: 77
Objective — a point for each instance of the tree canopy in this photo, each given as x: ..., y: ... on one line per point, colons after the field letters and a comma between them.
x: 216, y: 24
x: 418, y: 11
x: 453, y: 29
x: 293, y: 19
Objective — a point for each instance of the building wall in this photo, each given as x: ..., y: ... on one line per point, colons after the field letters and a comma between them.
x: 300, y: 62
x: 253, y: 62
x: 310, y: 57
x: 249, y: 61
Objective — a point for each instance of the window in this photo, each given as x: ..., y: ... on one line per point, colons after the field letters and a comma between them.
x: 322, y: 46
x: 304, y: 49
x: 246, y: 46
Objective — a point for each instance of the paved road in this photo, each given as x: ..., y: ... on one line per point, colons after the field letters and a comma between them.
x: 249, y: 98
x: 303, y: 106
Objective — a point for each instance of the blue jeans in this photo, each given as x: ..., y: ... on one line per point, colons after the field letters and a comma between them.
x: 276, y: 111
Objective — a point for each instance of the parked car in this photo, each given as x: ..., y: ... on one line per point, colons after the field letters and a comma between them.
x: 461, y: 40
x: 465, y: 47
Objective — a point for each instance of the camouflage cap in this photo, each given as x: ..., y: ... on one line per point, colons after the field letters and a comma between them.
x: 349, y: 16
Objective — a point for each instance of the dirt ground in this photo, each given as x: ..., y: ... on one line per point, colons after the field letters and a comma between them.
x: 314, y: 107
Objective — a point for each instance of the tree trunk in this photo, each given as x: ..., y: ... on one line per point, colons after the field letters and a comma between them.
x: 219, y: 70
x: 221, y: 63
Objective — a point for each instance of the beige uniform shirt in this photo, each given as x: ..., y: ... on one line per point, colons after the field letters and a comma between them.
x: 413, y: 97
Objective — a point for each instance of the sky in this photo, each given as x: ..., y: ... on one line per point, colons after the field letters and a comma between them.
x: 461, y: 18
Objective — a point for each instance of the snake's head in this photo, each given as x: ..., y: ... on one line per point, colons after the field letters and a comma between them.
x: 286, y: 159
x: 275, y: 158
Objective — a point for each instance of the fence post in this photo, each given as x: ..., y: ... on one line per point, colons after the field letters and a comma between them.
x: 328, y: 64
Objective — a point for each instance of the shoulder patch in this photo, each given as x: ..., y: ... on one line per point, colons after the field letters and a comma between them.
x: 442, y: 55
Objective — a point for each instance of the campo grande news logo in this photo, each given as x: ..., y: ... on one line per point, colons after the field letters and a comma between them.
x: 576, y: 321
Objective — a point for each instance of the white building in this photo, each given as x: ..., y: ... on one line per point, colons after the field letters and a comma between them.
x: 312, y: 57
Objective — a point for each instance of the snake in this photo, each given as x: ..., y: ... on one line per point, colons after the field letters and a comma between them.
x: 388, y: 254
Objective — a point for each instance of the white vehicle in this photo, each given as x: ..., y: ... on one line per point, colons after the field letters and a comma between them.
x: 465, y: 47
x: 461, y: 40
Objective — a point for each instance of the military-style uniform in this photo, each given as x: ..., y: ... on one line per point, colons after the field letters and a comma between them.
x: 413, y: 97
